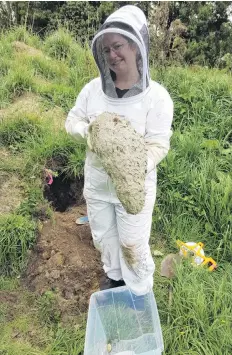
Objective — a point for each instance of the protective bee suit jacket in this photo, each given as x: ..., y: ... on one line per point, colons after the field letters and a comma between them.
x: 149, y: 108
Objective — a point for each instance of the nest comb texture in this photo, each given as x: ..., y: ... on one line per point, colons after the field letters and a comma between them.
x: 123, y: 155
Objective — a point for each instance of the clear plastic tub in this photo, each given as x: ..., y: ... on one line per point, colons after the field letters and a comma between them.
x: 122, y: 323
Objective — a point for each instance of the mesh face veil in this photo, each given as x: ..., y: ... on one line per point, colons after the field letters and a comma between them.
x: 121, y: 46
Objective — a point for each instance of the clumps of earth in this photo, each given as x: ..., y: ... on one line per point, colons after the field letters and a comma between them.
x: 123, y: 155
x: 65, y: 261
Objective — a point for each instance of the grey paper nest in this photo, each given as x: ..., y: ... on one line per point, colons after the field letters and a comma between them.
x: 124, y: 157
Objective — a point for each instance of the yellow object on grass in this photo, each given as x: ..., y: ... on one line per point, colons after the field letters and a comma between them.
x: 196, y: 251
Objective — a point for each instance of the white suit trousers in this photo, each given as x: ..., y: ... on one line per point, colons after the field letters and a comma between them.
x: 123, y: 240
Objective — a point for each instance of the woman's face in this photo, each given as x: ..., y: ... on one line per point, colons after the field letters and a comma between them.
x: 120, y: 55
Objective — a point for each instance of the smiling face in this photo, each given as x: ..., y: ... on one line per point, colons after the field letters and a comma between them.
x: 119, y: 53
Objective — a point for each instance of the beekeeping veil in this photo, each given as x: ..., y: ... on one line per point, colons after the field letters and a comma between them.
x: 130, y: 22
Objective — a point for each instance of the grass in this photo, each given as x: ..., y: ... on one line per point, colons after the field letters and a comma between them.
x: 60, y: 44
x: 123, y: 323
x: 16, y: 132
x: 8, y: 283
x: 193, y: 198
x: 17, y: 235
x: 48, y: 308
x: 19, y: 81
x: 201, y: 314
x: 30, y: 328
x: 195, y: 179
x: 21, y: 34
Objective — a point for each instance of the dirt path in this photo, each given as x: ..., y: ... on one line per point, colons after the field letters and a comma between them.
x: 64, y: 260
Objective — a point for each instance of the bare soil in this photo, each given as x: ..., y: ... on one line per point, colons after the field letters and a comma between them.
x: 64, y: 260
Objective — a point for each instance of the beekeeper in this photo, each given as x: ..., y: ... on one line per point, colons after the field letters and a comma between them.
x: 120, y: 49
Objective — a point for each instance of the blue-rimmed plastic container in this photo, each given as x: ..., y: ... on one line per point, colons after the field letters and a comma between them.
x: 124, y: 324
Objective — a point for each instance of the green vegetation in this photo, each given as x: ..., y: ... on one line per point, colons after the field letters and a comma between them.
x: 194, y: 200
x: 32, y: 328
x: 15, y: 133
x: 200, y: 315
x: 48, y: 308
x: 17, y: 236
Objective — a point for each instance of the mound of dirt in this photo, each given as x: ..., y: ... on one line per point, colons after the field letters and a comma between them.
x: 65, y: 261
x: 23, y: 47
x: 26, y: 104
x: 32, y: 104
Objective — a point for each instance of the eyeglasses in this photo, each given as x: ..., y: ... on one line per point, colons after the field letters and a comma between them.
x: 116, y: 48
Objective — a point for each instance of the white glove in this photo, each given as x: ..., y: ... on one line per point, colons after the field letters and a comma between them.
x: 88, y: 138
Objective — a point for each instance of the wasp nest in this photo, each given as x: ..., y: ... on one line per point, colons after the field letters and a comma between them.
x: 124, y: 157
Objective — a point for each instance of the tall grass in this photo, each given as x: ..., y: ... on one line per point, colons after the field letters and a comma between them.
x: 17, y: 235
x: 60, y: 44
x: 195, y: 187
x: 49, y: 68
x: 201, y: 312
x: 201, y: 97
x: 16, y: 132
x: 20, y: 33
x: 19, y: 80
x: 59, y: 150
x: 57, y: 75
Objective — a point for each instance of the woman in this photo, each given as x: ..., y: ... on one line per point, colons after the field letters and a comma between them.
x: 120, y: 49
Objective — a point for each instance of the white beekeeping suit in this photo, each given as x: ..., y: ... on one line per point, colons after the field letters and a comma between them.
x: 122, y: 238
